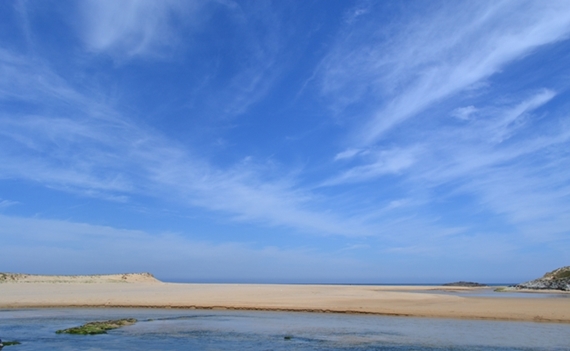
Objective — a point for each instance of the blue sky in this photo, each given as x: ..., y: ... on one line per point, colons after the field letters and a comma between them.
x: 307, y: 141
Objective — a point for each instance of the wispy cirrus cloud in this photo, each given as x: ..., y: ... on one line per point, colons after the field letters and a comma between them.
x: 349, y: 153
x: 464, y: 113
x: 379, y: 163
x: 451, y: 139
x: 501, y: 142
x: 87, y: 147
x: 506, y: 167
x: 7, y: 203
x: 498, y: 137
x: 442, y: 52
x: 258, y: 59
x: 132, y: 28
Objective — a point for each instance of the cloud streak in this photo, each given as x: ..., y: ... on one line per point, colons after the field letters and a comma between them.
x: 130, y: 28
x: 98, y: 152
x: 434, y: 57
x: 401, y: 77
x: 507, y: 170
x: 379, y: 163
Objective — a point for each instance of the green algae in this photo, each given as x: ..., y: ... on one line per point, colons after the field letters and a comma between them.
x: 10, y: 343
x: 100, y: 327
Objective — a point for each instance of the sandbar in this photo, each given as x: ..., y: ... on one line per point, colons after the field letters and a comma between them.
x: 147, y: 292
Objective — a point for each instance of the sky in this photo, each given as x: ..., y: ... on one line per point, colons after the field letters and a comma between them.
x: 285, y: 141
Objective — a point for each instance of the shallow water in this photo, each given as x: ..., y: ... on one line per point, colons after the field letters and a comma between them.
x: 490, y: 292
x: 163, y: 329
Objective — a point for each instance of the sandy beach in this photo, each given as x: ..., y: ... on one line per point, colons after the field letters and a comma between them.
x: 145, y: 291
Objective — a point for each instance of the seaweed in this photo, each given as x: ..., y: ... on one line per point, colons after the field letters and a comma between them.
x: 100, y: 327
x: 10, y: 343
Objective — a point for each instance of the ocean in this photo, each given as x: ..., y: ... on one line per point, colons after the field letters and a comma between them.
x: 185, y: 329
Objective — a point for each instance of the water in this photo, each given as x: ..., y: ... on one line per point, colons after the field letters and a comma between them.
x: 490, y: 292
x: 164, y: 329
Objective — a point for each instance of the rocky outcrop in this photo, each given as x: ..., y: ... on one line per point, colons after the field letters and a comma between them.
x: 466, y: 284
x: 93, y: 328
x: 558, y: 279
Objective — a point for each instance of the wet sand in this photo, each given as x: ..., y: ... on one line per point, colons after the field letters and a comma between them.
x: 417, y: 301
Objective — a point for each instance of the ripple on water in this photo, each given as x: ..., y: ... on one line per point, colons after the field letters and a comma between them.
x: 241, y: 330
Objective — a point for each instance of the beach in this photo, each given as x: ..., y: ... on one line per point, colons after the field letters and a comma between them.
x: 147, y: 292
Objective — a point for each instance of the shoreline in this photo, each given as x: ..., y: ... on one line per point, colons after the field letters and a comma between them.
x: 292, y: 310
x: 398, y: 300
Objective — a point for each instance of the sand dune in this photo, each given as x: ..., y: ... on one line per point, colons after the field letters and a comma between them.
x: 97, y: 278
x: 145, y: 291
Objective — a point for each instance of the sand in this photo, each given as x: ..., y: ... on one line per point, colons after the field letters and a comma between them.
x: 145, y: 291
x: 97, y: 278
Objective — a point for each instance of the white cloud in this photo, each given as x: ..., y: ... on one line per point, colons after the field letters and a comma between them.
x: 353, y: 15
x: 508, y: 160
x: 28, y: 79
x: 512, y: 173
x: 136, y: 162
x: 408, y: 68
x: 88, y: 148
x: 133, y: 27
x: 502, y: 159
x: 464, y: 113
x: 7, y: 203
x: 511, y: 160
x: 392, y: 161
x: 43, y: 246
x: 397, y: 204
x: 348, y: 153
x: 501, y: 128
x: 463, y: 150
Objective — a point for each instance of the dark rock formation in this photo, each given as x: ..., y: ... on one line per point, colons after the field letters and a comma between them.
x: 558, y: 279
x: 466, y: 284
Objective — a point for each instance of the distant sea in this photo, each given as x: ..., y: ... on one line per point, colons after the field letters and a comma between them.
x: 481, y: 292
x: 311, y: 283
x: 166, y: 329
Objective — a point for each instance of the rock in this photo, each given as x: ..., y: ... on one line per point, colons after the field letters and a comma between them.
x: 466, y: 284
x: 93, y: 328
x: 558, y: 279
